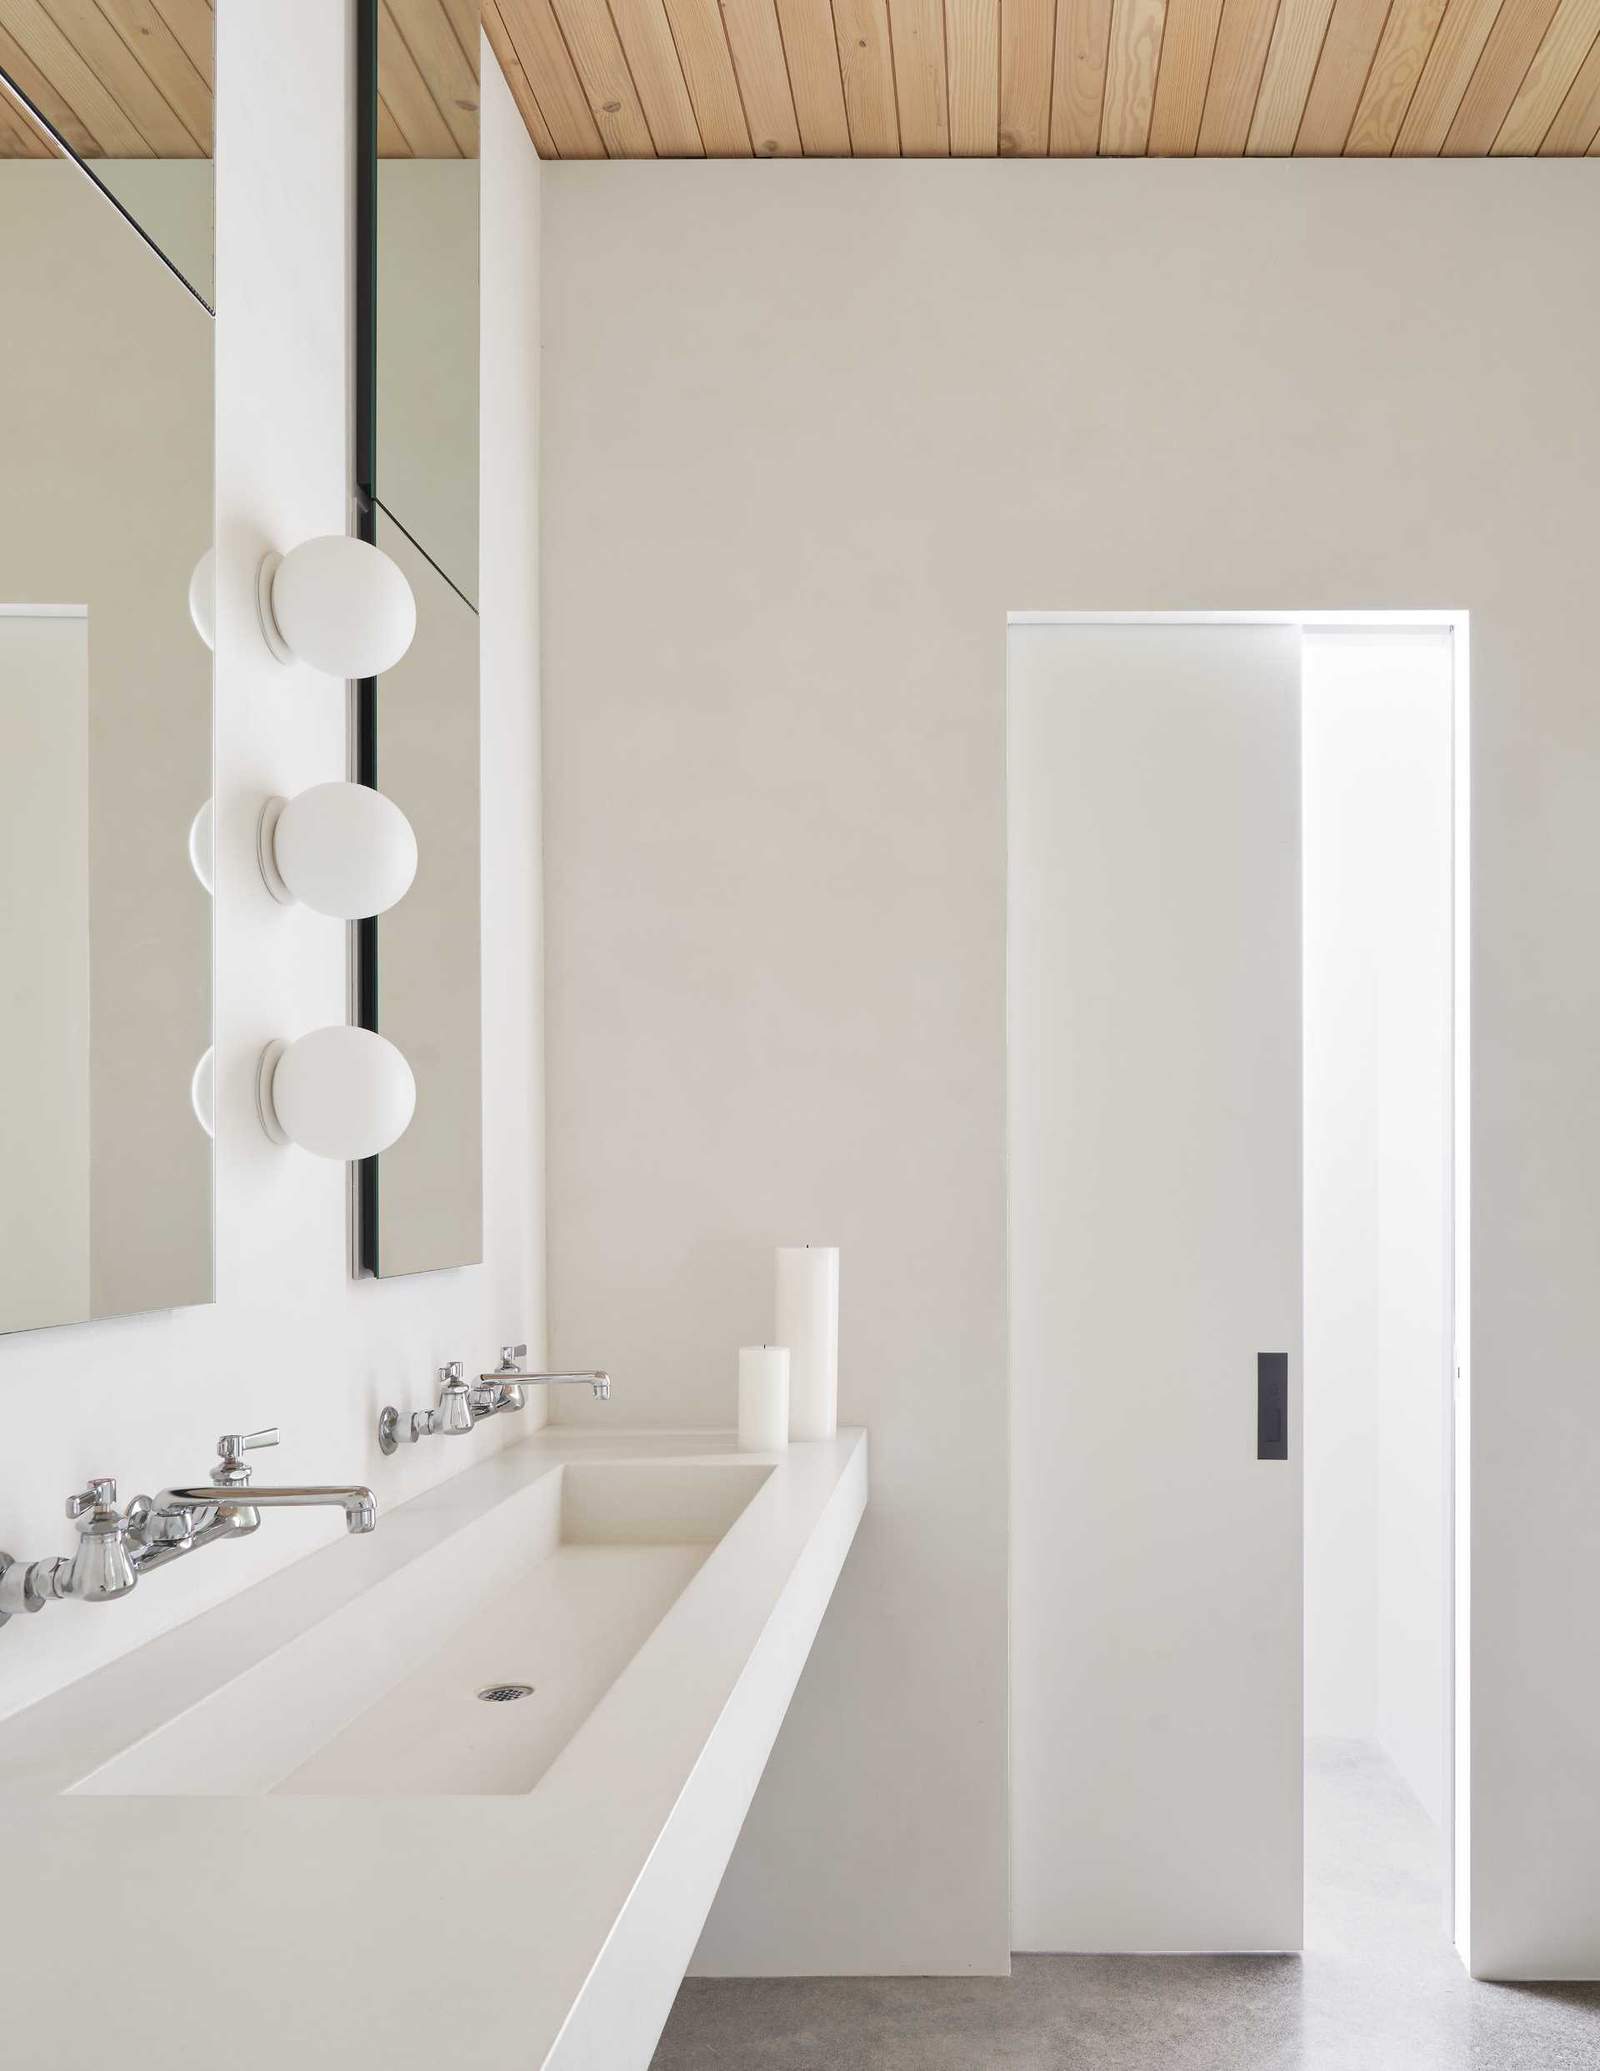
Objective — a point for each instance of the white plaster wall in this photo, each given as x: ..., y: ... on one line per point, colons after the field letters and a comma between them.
x: 809, y: 434
x: 291, y: 1337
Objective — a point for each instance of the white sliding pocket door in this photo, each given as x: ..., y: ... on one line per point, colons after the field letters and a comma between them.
x: 1155, y: 1280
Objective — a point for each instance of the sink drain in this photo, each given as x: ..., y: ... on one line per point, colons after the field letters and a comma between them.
x: 505, y: 1693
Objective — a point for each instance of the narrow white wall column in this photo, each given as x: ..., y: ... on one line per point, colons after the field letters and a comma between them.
x: 292, y: 1339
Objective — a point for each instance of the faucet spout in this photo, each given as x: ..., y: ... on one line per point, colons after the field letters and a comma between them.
x: 359, y: 1505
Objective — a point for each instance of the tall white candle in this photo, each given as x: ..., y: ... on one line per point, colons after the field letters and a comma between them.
x: 808, y: 1323
x: 763, y: 1398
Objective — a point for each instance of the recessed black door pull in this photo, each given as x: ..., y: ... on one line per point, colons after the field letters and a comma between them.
x: 1272, y: 1405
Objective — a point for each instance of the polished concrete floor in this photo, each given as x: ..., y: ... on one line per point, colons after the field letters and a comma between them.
x: 1378, y: 1988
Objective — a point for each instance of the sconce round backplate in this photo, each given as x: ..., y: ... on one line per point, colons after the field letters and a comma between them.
x: 270, y: 564
x: 266, y: 1071
x: 266, y: 857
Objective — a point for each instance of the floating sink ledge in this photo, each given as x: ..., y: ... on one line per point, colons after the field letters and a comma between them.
x: 291, y: 1822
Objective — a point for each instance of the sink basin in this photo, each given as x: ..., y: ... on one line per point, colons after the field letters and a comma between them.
x: 543, y: 1602
x: 303, y: 1828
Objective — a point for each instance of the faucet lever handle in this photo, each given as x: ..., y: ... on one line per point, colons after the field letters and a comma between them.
x: 451, y: 1375
x: 101, y: 1494
x: 509, y: 1355
x: 232, y: 1444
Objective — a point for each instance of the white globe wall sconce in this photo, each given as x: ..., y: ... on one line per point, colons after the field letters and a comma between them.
x: 337, y: 604
x: 341, y: 849
x: 338, y: 1092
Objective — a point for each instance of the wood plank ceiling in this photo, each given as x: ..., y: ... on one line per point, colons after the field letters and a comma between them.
x: 133, y: 78
x: 1056, y: 78
x: 874, y: 78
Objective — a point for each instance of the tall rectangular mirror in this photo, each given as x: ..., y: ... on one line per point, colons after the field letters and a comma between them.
x: 105, y: 664
x: 420, y: 1204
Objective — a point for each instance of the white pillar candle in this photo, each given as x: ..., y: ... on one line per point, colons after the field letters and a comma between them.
x: 763, y: 1398
x: 808, y: 1323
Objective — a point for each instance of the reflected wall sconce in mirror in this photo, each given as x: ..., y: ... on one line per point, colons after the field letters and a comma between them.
x: 337, y: 604
x: 203, y: 597
x: 338, y: 1092
x: 203, y: 1092
x: 203, y: 845
x: 342, y: 849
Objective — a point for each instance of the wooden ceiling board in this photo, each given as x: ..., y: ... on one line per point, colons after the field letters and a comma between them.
x: 1408, y: 37
x: 652, y: 58
x: 19, y: 67
x: 1083, y: 34
x: 921, y: 90
x: 1577, y: 123
x: 1244, y: 36
x: 1446, y: 74
x: 194, y: 24
x: 1188, y: 46
x: 811, y: 46
x: 162, y: 57
x: 510, y: 63
x: 707, y: 62
x: 866, y: 64
x: 972, y: 56
x: 539, y: 44
x: 114, y: 65
x: 1297, y: 39
x: 450, y: 72
x: 1027, y: 67
x: 110, y: 130
x: 1132, y: 57
x: 1556, y: 64
x: 759, y: 65
x: 407, y: 95
x: 1354, y: 32
x: 592, y: 44
x: 1512, y: 43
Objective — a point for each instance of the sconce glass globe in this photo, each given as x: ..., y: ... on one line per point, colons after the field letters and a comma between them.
x: 341, y: 849
x: 338, y: 1092
x: 337, y: 604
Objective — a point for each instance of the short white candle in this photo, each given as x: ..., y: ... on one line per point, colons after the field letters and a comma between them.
x: 763, y: 1398
x: 807, y: 1322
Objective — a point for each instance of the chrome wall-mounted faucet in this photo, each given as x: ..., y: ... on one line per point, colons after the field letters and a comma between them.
x: 114, y: 1548
x: 461, y: 1405
x: 503, y: 1389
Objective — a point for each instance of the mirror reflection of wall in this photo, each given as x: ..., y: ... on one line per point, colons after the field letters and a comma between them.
x: 427, y: 279
x: 105, y: 681
x: 421, y: 1202
x: 430, y: 1208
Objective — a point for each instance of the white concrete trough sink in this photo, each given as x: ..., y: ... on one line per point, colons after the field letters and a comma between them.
x: 300, y: 1818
